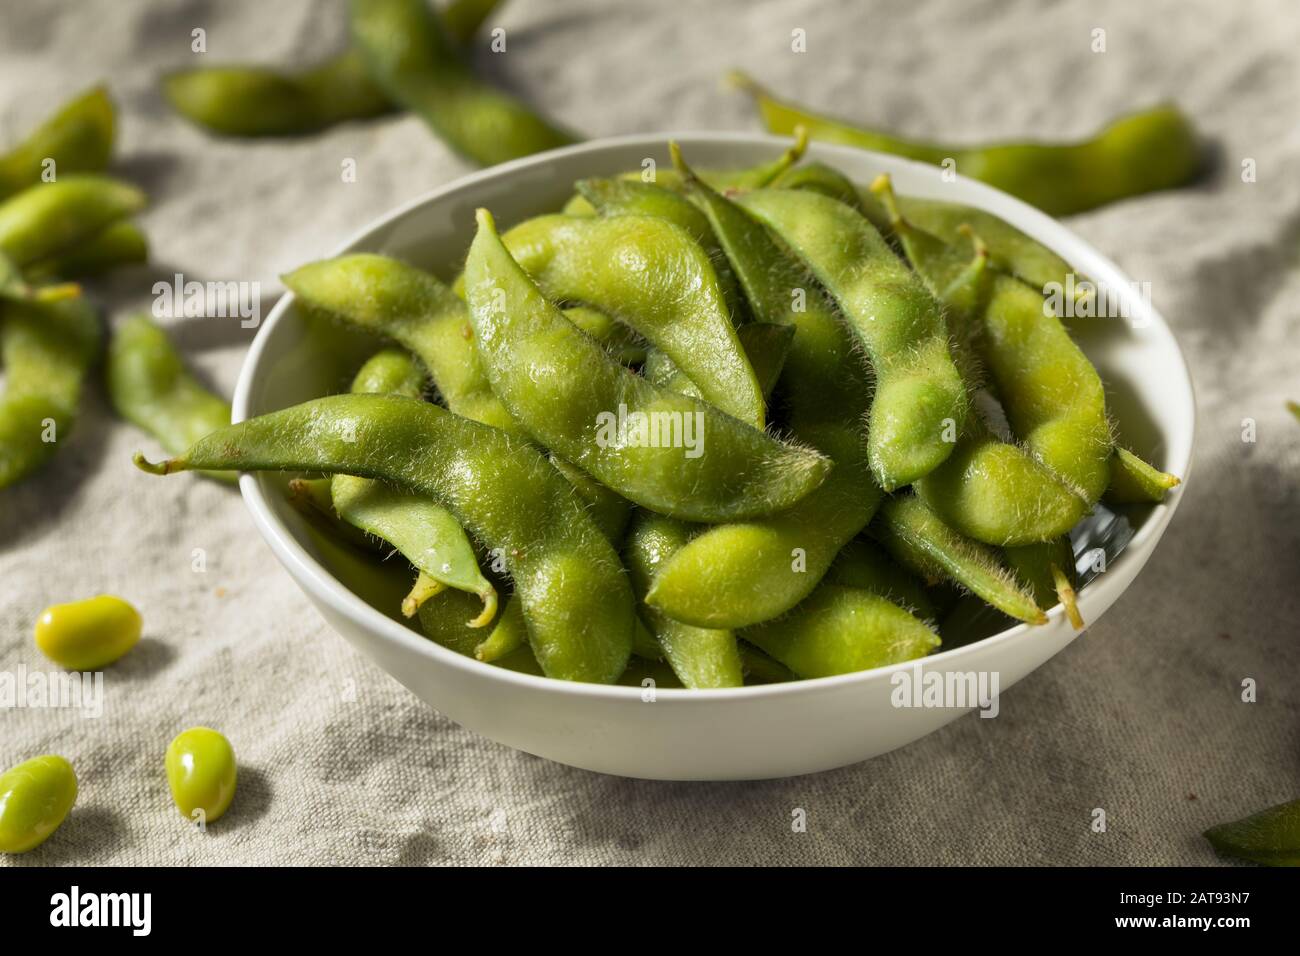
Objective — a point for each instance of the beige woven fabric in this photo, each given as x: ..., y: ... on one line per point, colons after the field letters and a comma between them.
x: 1141, y: 717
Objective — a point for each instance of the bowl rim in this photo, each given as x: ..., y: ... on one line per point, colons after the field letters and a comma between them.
x: 313, y: 576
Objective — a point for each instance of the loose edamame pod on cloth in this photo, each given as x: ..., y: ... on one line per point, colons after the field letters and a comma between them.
x: 1140, y: 153
x: 152, y: 389
x: 654, y: 277
x: 737, y: 574
x: 46, y: 349
x: 425, y: 533
x: 260, y: 101
x: 662, y: 450
x: 700, y: 657
x: 576, y: 599
x: 920, y: 401
x: 1270, y: 837
x: 48, y: 219
x: 35, y: 798
x: 408, y: 306
x: 411, y: 59
x: 76, y: 139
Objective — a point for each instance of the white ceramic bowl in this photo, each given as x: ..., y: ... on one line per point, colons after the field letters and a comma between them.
x: 752, y: 732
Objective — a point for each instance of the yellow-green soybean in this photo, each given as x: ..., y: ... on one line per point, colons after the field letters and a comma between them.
x: 201, y: 773
x: 35, y: 798
x: 88, y: 635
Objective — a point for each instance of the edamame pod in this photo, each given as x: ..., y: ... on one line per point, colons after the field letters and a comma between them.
x: 46, y: 350
x: 1140, y: 153
x: 47, y: 219
x: 841, y: 630
x: 425, y: 533
x: 150, y: 387
x: 920, y: 398
x: 631, y: 197
x: 120, y: 244
x: 76, y: 139
x: 575, y: 597
x: 88, y: 635
x: 14, y: 287
x: 928, y: 547
x: 652, y: 276
x: 410, y: 58
x: 700, y: 657
x: 35, y: 798
x: 408, y: 306
x: 662, y: 450
x: 257, y: 101
x: 1270, y: 837
x: 1133, y: 481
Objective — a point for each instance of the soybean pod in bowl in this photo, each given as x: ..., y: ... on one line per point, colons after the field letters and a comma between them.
x: 650, y: 730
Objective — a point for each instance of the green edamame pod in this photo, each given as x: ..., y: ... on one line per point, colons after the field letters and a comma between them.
x: 1140, y: 153
x: 76, y: 139
x: 119, y: 244
x: 653, y: 277
x: 840, y: 630
x: 15, y: 287
x: 928, y: 547
x: 861, y: 564
x: 425, y: 533
x: 411, y: 59
x: 1133, y: 481
x: 631, y: 197
x: 46, y: 349
x: 313, y: 499
x: 575, y: 596
x: 700, y: 657
x: 1270, y: 837
x: 1048, y: 570
x: 258, y: 101
x: 920, y: 398
x: 150, y: 387
x: 578, y: 402
x: 47, y: 219
x: 408, y: 306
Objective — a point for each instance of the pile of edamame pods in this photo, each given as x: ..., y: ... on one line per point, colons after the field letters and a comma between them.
x: 734, y: 422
